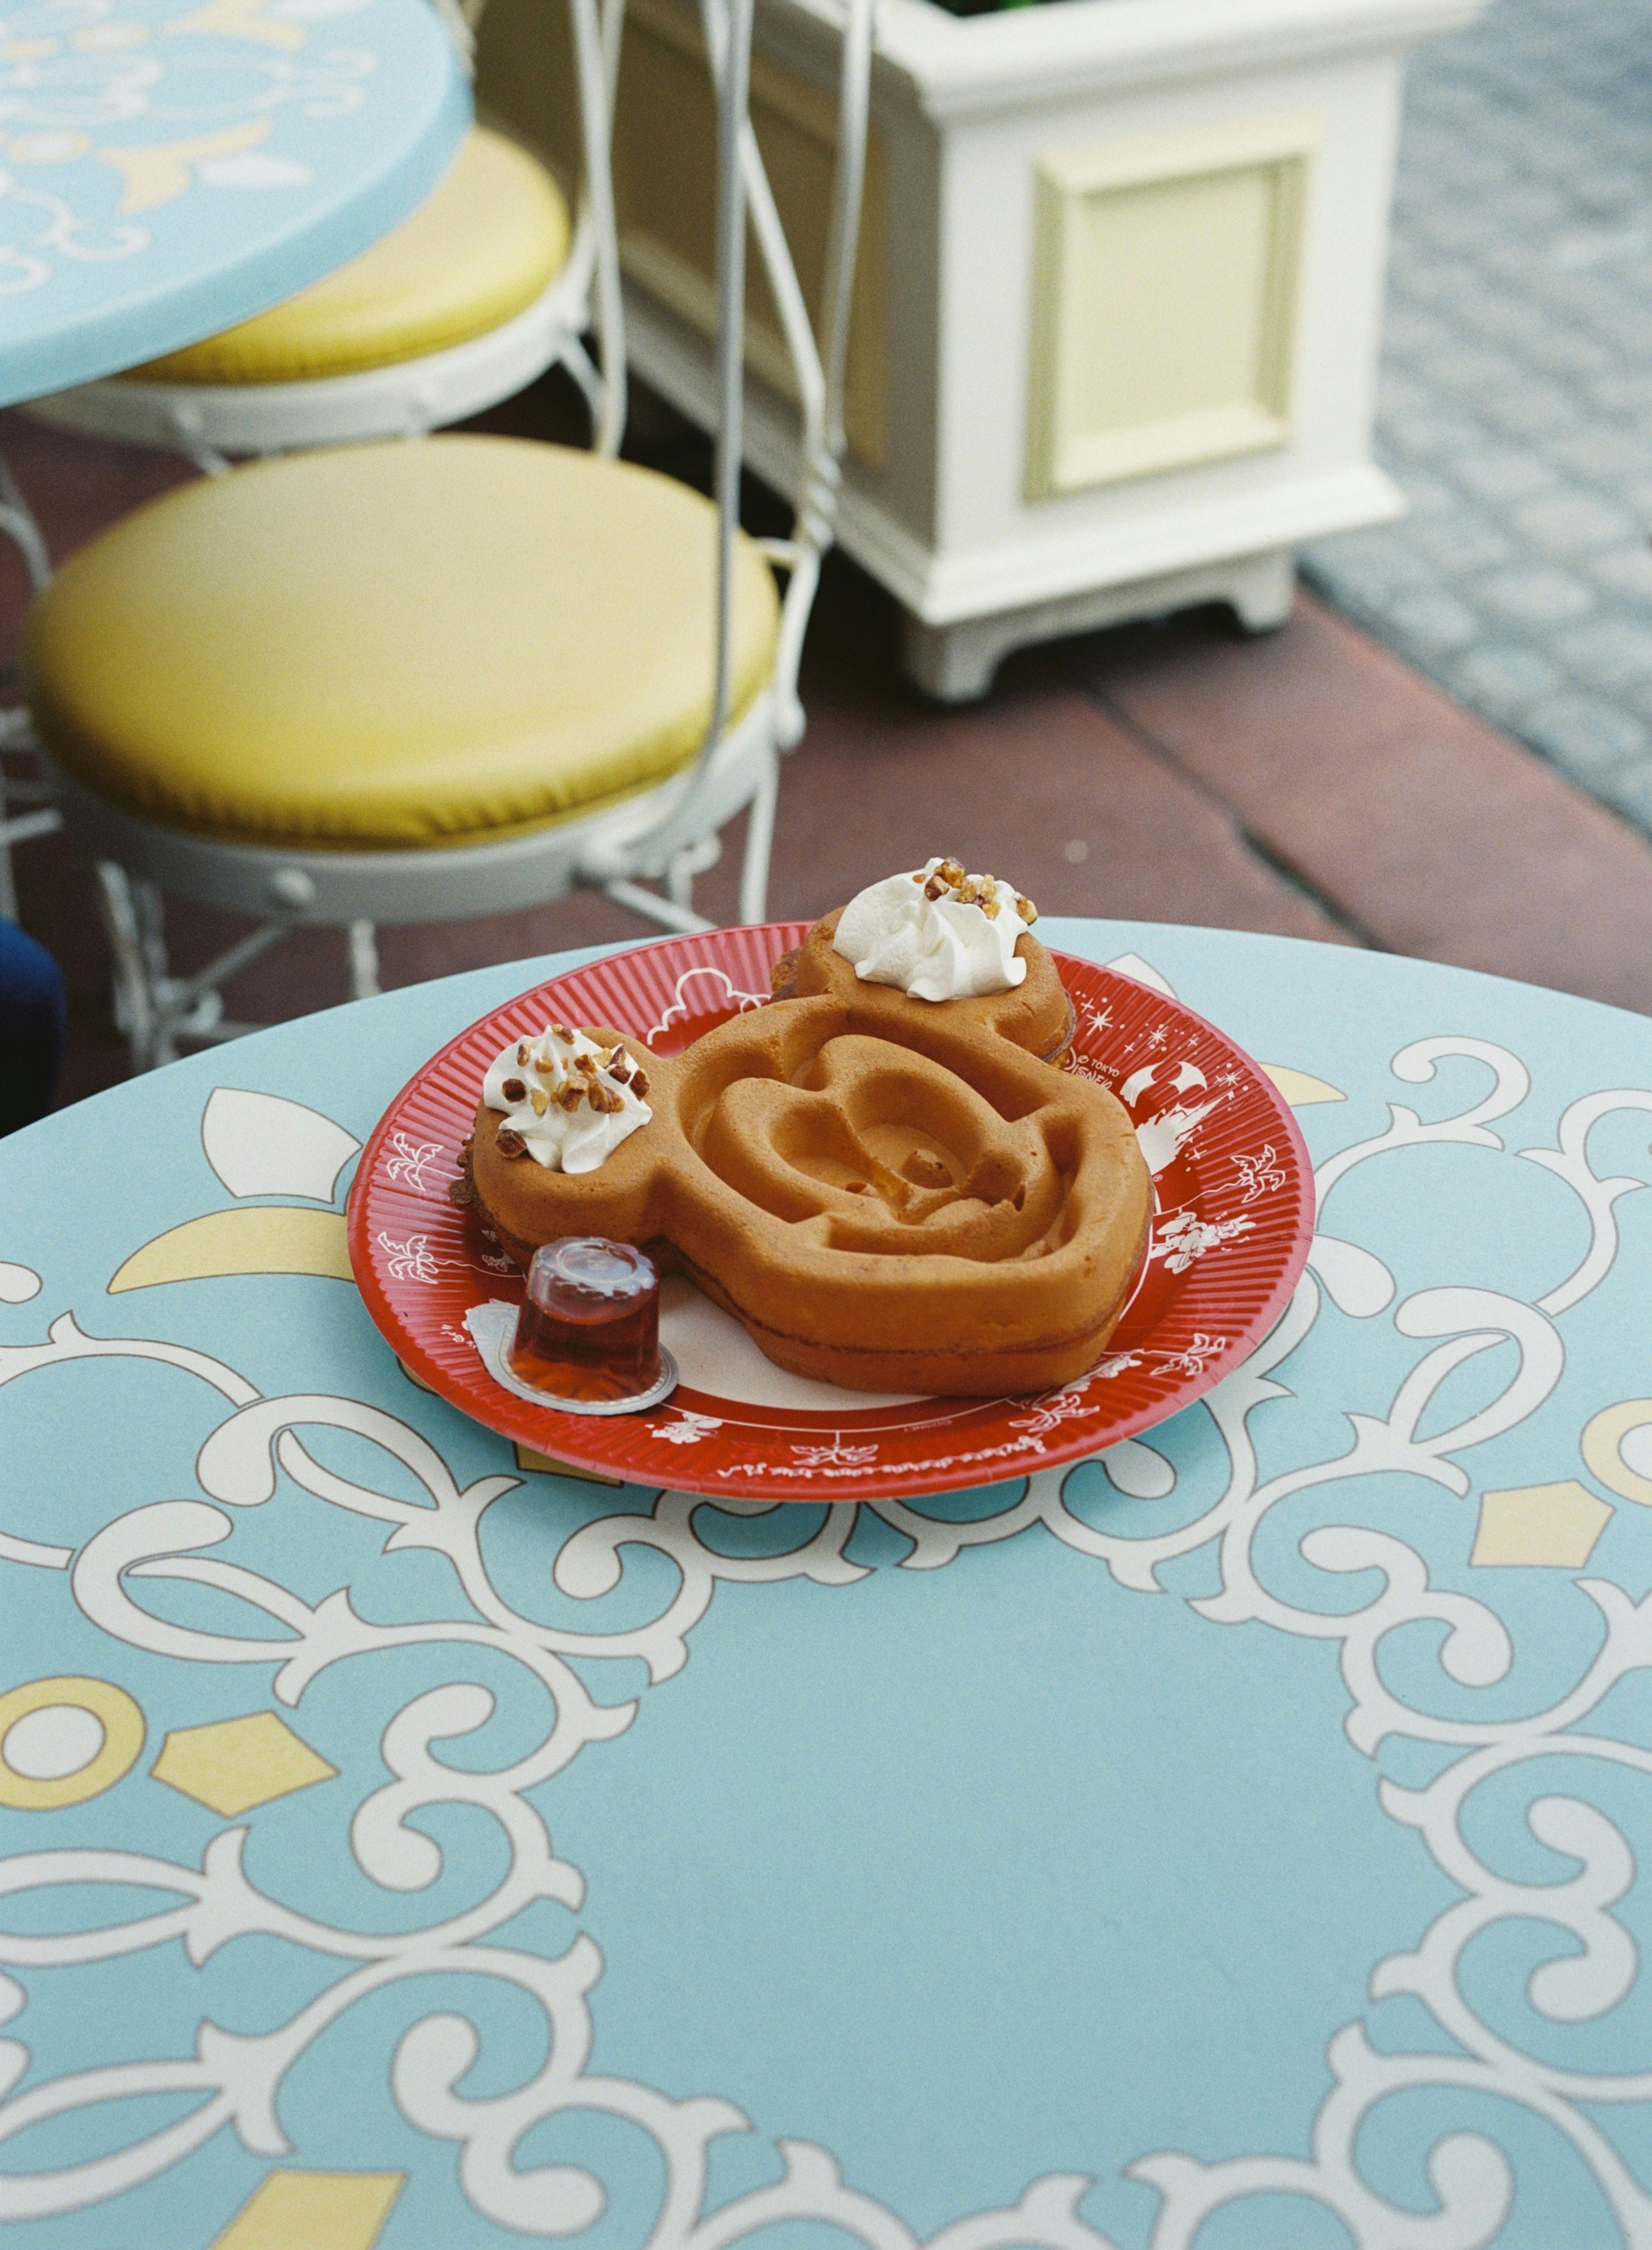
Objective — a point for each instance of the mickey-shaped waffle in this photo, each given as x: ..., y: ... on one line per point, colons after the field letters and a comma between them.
x: 889, y: 1198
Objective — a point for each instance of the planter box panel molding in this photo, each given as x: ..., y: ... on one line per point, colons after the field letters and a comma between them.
x: 1164, y: 278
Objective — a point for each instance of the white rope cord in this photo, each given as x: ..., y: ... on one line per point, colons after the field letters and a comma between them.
x: 728, y: 43
x: 596, y: 47
x: 744, y: 187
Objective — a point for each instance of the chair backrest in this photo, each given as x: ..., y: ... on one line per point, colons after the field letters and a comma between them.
x: 819, y: 364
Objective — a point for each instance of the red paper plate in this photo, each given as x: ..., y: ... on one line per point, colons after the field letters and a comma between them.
x: 1233, y: 1217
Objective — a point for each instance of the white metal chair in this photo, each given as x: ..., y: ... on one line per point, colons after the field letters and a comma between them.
x: 406, y: 683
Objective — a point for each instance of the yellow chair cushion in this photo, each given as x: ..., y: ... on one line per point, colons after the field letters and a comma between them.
x: 479, y: 249
x: 448, y: 641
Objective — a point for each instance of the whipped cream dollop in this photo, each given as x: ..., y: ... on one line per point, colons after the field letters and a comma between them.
x: 568, y: 1100
x: 937, y: 933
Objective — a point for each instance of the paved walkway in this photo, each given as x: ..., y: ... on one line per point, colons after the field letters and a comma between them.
x: 1516, y: 402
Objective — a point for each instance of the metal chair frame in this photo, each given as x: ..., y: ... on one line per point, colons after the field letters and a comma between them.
x: 666, y: 835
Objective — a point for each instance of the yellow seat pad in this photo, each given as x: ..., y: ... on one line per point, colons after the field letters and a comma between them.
x: 477, y: 250
x: 441, y: 642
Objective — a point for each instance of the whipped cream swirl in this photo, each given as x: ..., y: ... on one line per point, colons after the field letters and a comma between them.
x: 567, y: 1099
x: 937, y: 933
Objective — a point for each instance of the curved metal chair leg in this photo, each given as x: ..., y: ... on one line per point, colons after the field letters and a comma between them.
x: 152, y: 931
x: 151, y: 910
x: 759, y: 841
x: 653, y: 907
x: 364, y: 961
x: 154, y: 1009
x: 693, y: 860
x: 16, y: 521
x: 135, y: 1007
x: 17, y: 827
x: 18, y: 524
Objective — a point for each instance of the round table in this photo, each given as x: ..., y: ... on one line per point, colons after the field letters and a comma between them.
x: 1227, y: 1843
x: 167, y: 171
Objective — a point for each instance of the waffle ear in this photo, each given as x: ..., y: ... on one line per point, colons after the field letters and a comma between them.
x: 1037, y: 1015
x: 628, y: 1198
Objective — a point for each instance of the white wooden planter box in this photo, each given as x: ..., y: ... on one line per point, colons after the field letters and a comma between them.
x: 1117, y: 324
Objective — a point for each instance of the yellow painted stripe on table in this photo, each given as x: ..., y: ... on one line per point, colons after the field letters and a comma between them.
x: 293, y: 2210
x: 1299, y: 1087
x: 258, y: 1239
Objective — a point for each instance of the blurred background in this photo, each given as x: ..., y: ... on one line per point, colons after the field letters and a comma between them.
x: 1445, y: 748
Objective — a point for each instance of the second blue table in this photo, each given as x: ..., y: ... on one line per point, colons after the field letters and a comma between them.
x: 166, y: 172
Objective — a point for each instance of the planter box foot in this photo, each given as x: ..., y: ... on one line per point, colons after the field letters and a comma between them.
x: 956, y: 663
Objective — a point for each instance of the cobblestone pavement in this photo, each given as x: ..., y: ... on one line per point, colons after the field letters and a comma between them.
x: 1515, y: 406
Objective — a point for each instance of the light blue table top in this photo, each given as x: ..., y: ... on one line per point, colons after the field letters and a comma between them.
x: 167, y: 170
x: 1228, y: 1844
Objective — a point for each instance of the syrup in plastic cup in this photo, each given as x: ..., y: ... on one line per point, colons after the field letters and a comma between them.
x: 589, y: 1323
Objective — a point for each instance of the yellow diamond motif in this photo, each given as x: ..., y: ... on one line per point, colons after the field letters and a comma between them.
x: 312, y: 2210
x: 1554, y: 1526
x: 236, y: 1764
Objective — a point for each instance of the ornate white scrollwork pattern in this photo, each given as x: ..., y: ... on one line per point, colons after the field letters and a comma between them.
x: 1592, y: 1971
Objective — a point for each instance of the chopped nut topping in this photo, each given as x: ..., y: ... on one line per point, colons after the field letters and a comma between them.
x: 949, y: 880
x: 567, y: 1081
x: 460, y: 1192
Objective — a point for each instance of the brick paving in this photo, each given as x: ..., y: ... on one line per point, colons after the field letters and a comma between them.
x: 1515, y: 406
